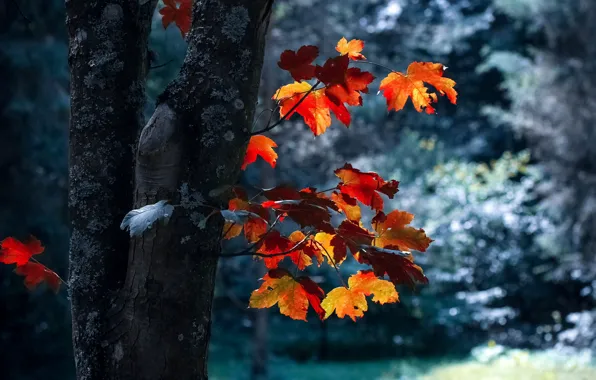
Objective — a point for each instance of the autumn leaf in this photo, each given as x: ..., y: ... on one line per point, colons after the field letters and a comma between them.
x: 178, y: 12
x: 293, y: 296
x: 354, y: 235
x: 299, y: 63
x: 365, y: 186
x: 351, y: 301
x: 262, y: 146
x: 397, y: 87
x: 347, y: 205
x: 332, y: 246
x: 302, y: 255
x: 315, y: 109
x: 393, y: 232
x: 241, y: 214
x: 36, y: 273
x: 13, y: 251
x: 398, y: 266
x: 274, y: 243
x: 343, y: 84
x: 232, y: 230
x: 352, y: 48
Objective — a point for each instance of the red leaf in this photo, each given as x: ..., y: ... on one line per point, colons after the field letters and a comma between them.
x: 12, y: 251
x: 274, y: 243
x: 400, y: 269
x: 37, y: 273
x: 260, y: 145
x: 299, y: 63
x: 343, y: 84
x: 365, y: 186
x: 178, y: 12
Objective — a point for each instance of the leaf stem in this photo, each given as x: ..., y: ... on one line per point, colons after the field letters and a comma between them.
x: 284, y: 117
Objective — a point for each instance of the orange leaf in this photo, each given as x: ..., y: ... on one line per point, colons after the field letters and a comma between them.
x: 299, y: 63
x: 352, y: 48
x: 332, y: 246
x: 303, y: 254
x: 12, y: 251
x: 393, y: 232
x: 315, y: 108
x: 260, y: 145
x: 293, y: 296
x: 365, y: 186
x: 231, y: 230
x: 37, y: 273
x: 397, y: 87
x: 178, y: 12
x: 351, y: 301
x: 348, y: 205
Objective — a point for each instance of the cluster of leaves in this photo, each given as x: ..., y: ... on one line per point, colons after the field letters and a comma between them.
x: 13, y: 251
x: 385, y: 247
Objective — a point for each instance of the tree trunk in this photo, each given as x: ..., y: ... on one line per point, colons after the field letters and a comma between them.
x: 149, y: 318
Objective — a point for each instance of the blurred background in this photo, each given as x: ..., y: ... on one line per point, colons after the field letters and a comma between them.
x: 504, y: 182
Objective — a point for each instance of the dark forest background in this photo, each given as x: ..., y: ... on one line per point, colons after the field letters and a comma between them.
x: 504, y: 182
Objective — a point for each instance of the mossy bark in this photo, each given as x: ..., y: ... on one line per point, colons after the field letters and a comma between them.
x: 147, y: 315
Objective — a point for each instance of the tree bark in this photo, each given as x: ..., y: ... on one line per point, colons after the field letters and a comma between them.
x: 149, y: 318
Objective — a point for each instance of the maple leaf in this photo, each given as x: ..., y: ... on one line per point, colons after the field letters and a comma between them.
x: 178, y: 12
x: 262, y: 146
x: 398, y: 266
x: 231, y: 230
x: 332, y: 246
x: 242, y: 214
x: 365, y: 186
x: 351, y: 301
x: 315, y: 109
x: 273, y: 244
x: 13, y: 251
x: 293, y: 296
x: 343, y: 84
x: 302, y: 255
x: 299, y: 63
x: 347, y: 205
x: 36, y: 273
x: 397, y: 87
x: 393, y: 232
x: 354, y: 235
x: 352, y: 48
x: 307, y: 212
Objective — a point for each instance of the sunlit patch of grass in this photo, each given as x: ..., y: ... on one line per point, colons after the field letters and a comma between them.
x: 487, y: 363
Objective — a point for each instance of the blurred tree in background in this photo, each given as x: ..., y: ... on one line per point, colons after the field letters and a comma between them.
x: 504, y: 182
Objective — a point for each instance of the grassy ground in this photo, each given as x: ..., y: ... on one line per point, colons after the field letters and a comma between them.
x: 487, y: 363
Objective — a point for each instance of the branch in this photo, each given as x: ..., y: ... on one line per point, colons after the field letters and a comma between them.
x: 248, y: 253
x: 284, y: 117
x: 16, y: 4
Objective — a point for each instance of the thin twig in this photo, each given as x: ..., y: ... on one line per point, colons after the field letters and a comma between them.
x: 332, y: 261
x: 377, y: 64
x: 16, y: 4
x: 245, y: 252
x: 268, y: 255
x: 162, y: 65
x: 45, y: 266
x: 284, y: 117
